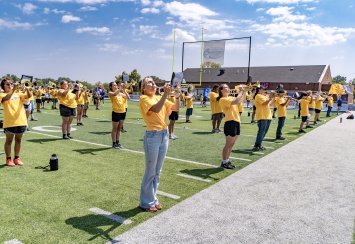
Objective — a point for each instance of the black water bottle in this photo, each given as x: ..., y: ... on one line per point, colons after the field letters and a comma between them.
x: 53, y: 162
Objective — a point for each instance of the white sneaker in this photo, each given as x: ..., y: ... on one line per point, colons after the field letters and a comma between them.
x: 175, y: 137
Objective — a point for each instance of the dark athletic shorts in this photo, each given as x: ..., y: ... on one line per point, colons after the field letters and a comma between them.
x: 66, y: 111
x: 232, y: 128
x: 217, y: 116
x: 254, y: 108
x: 38, y: 100
x: 317, y: 111
x: 15, y: 129
x: 304, y: 118
x: 117, y: 117
x: 189, y: 111
x: 174, y: 115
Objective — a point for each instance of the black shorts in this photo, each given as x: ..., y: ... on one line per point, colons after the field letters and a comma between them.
x: 66, y: 111
x: 217, y: 116
x: 254, y: 108
x: 38, y: 100
x: 117, y: 117
x: 317, y: 111
x: 231, y: 128
x: 275, y: 109
x: 174, y: 115
x: 304, y: 118
x: 189, y: 111
x: 54, y: 100
x: 15, y: 129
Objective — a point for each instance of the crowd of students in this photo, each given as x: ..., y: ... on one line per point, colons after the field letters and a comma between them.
x: 156, y: 109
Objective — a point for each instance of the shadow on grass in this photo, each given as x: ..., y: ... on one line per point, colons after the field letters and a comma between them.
x: 202, y: 133
x: 95, y: 224
x: 103, y: 121
x: 246, y: 151
x: 203, y: 173
x: 41, y: 141
x: 3, y: 166
x: 296, y: 133
x: 91, y: 150
x: 100, y: 132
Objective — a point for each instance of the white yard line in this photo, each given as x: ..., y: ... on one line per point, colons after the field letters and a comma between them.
x: 193, y: 177
x: 165, y: 194
x: 111, y: 216
x: 129, y: 150
x: 242, y: 159
x: 14, y: 241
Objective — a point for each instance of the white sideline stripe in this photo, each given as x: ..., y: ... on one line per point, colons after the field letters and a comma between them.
x: 14, y: 241
x: 242, y: 159
x: 111, y: 216
x: 274, y: 142
x: 193, y: 177
x: 128, y: 150
x: 165, y: 194
x: 265, y: 147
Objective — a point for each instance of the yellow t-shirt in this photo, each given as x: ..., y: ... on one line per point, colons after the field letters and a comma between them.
x: 118, y: 103
x: 53, y: 92
x: 319, y: 103
x: 37, y: 93
x: 312, y: 104
x: 189, y: 102
x: 154, y: 121
x: 281, y: 110
x: 215, y: 106
x: 173, y: 100
x: 80, y: 100
x: 262, y: 111
x: 330, y: 101
x: 304, y: 103
x: 126, y: 102
x: 230, y: 111
x: 67, y: 100
x: 14, y: 111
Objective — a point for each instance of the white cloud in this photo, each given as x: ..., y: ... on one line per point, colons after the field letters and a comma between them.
x: 110, y: 47
x: 148, y: 29
x: 158, y: 3
x: 88, y: 8
x: 145, y: 2
x: 181, y: 36
x: 27, y: 8
x: 55, y: 11
x: 14, y: 25
x: 150, y: 10
x: 85, y: 1
x: 94, y: 30
x: 284, y: 14
x: 303, y: 34
x: 281, y: 1
x: 70, y: 18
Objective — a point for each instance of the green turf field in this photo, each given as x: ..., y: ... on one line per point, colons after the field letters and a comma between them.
x: 38, y: 206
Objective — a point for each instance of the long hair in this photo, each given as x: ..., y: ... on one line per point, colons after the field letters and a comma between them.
x: 110, y: 85
x: 3, y: 82
x: 145, y: 82
x: 220, y: 94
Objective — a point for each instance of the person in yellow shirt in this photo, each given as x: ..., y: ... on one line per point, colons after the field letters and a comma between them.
x: 311, y: 106
x: 128, y: 91
x: 319, y: 105
x: 216, y: 110
x: 15, y: 121
x: 262, y: 115
x: 80, y: 101
x: 304, y: 103
x: 229, y: 106
x: 174, y: 116
x: 154, y: 110
x: 87, y: 98
x: 189, y: 106
x: 118, y: 96
x: 67, y: 106
x: 53, y: 93
x: 330, y: 104
x: 281, y: 103
x: 37, y: 93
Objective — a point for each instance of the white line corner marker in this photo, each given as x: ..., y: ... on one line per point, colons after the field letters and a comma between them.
x: 194, y: 177
x: 111, y: 216
x: 14, y: 241
x: 168, y: 195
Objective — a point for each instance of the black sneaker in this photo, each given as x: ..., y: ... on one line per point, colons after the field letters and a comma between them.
x: 123, y: 130
x: 256, y: 149
x: 119, y: 146
x: 69, y: 136
x: 302, y: 131
x: 115, y: 146
x: 66, y: 137
x: 309, y: 126
x: 227, y: 165
x: 280, y: 138
x: 33, y: 119
x: 262, y: 148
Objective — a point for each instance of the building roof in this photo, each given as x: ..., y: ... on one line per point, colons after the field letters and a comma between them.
x: 273, y: 74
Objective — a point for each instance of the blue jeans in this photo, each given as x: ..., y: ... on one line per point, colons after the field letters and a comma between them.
x: 155, y: 148
x: 280, y: 125
x: 263, y: 126
x: 329, y: 110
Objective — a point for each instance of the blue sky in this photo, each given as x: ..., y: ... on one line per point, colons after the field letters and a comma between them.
x: 94, y: 40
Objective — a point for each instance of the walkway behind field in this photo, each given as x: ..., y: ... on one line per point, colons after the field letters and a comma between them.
x: 302, y: 193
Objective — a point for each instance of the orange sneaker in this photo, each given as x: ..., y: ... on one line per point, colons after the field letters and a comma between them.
x: 158, y: 206
x: 18, y: 161
x: 10, y: 162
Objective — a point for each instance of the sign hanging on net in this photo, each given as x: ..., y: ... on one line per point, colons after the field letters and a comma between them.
x: 213, y: 52
x: 177, y: 78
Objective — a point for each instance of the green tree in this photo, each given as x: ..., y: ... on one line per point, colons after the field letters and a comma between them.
x: 209, y: 64
x: 339, y: 79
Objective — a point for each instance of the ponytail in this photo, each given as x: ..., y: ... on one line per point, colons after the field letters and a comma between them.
x: 220, y: 94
